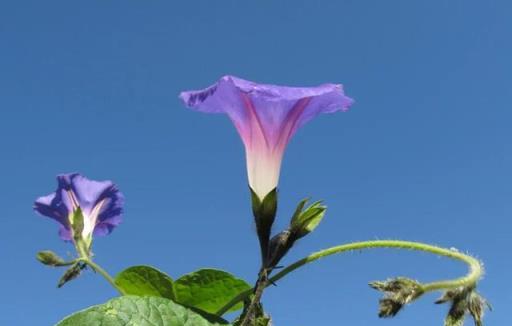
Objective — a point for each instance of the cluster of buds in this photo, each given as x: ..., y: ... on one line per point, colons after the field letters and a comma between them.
x: 400, y: 291
x: 397, y: 293
x: 464, y: 301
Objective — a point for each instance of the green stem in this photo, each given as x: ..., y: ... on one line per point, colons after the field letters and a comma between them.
x: 475, y: 267
x: 103, y: 273
x: 261, y: 284
x: 67, y: 263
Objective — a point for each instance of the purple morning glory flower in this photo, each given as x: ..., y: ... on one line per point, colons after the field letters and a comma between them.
x: 100, y: 201
x: 266, y: 117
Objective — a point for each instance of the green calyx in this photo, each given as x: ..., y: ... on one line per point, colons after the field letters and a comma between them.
x: 264, y: 212
x: 304, y: 221
x: 82, y: 244
x: 266, y: 208
x: 77, y: 223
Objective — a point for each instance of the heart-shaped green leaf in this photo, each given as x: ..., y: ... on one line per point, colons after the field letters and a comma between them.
x: 205, y: 290
x: 136, y: 311
x: 209, y: 289
x: 146, y: 281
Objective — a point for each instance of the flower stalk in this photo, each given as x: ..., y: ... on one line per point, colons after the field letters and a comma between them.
x: 97, y: 268
x: 475, y: 267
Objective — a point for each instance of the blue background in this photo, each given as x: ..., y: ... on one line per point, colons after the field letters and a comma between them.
x: 423, y: 155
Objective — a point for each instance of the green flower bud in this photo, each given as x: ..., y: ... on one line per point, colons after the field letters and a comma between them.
x: 49, y: 258
x: 71, y: 273
x: 279, y: 246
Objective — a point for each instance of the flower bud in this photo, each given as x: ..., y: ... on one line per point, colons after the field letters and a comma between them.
x: 397, y: 293
x: 464, y: 300
x: 49, y: 258
x: 73, y: 272
x: 279, y: 246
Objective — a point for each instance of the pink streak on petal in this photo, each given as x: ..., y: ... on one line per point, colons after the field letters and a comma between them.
x: 291, y: 122
x: 257, y: 130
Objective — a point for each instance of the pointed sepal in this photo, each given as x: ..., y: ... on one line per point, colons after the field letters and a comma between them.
x: 265, y: 208
x: 264, y: 212
x: 305, y: 221
x: 77, y: 224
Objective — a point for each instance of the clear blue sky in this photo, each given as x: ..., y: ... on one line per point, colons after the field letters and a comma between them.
x: 424, y: 154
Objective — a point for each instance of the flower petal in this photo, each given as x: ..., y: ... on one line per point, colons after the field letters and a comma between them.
x: 88, y: 192
x: 272, y: 104
x: 65, y: 233
x: 53, y: 207
x: 111, y: 212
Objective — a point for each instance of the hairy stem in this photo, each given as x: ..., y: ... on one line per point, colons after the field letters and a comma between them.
x: 475, y: 267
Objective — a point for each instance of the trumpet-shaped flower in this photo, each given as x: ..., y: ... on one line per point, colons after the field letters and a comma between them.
x: 100, y: 203
x: 266, y: 117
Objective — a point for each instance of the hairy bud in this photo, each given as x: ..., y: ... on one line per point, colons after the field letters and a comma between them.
x: 397, y: 293
x: 464, y: 300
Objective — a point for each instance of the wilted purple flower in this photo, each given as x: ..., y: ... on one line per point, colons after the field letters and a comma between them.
x: 266, y: 117
x: 100, y: 201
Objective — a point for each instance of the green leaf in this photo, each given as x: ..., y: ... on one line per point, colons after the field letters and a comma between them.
x: 209, y: 289
x: 205, y: 291
x: 146, y: 281
x: 136, y: 311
